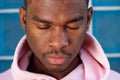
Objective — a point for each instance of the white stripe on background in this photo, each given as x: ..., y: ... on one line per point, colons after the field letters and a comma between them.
x: 94, y: 8
x: 117, y: 55
x: 114, y: 55
x: 9, y: 10
x: 106, y: 8
x: 6, y: 57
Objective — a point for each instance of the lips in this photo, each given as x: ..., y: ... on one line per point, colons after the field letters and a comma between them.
x: 56, y: 60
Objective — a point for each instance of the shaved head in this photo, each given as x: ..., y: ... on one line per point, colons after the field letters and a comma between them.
x: 27, y: 2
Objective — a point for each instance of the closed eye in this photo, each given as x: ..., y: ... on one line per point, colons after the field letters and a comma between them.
x: 43, y: 26
x: 74, y: 25
x: 41, y: 23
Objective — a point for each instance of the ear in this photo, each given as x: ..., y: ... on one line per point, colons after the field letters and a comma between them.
x: 23, y: 16
x: 89, y: 16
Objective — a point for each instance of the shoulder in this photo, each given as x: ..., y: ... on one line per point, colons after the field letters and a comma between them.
x: 6, y: 75
x: 113, y: 75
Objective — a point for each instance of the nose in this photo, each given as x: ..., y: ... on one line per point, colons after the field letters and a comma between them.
x: 58, y: 38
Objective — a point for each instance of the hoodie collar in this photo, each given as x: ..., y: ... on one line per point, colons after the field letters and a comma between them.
x: 95, y: 64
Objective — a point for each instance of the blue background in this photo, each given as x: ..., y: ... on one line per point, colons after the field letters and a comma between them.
x: 106, y: 2
x: 106, y: 28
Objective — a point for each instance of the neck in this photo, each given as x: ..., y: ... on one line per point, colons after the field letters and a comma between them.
x: 36, y: 67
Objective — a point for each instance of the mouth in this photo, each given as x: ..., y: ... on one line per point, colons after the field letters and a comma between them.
x: 56, y: 60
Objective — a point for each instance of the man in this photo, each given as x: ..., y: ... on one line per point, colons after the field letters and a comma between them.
x: 57, y: 45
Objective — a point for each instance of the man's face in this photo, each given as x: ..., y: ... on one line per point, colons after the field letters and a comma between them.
x: 55, y: 31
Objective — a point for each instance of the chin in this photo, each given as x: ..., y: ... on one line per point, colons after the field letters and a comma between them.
x: 57, y: 69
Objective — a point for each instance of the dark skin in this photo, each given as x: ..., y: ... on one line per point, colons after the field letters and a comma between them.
x: 55, y: 31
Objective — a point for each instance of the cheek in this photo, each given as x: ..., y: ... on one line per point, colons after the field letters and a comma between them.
x: 77, y: 40
x: 37, y: 39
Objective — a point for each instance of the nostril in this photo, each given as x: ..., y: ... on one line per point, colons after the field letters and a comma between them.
x: 58, y: 44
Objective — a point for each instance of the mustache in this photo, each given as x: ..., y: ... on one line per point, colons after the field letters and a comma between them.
x: 62, y: 51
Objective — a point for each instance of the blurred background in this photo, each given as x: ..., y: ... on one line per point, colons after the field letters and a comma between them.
x: 105, y: 26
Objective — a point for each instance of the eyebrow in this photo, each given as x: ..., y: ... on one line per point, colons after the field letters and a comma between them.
x: 36, y: 18
x: 75, y: 19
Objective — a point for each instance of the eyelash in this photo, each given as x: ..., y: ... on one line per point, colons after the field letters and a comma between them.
x: 66, y: 27
x: 43, y: 28
x: 76, y: 28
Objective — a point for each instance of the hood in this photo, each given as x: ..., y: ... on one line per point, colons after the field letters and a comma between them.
x: 95, y: 64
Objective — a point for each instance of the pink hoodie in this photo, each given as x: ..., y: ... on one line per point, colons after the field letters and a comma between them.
x: 95, y: 64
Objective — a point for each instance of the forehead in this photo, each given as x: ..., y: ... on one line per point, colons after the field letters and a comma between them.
x: 58, y: 4
x: 61, y: 8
